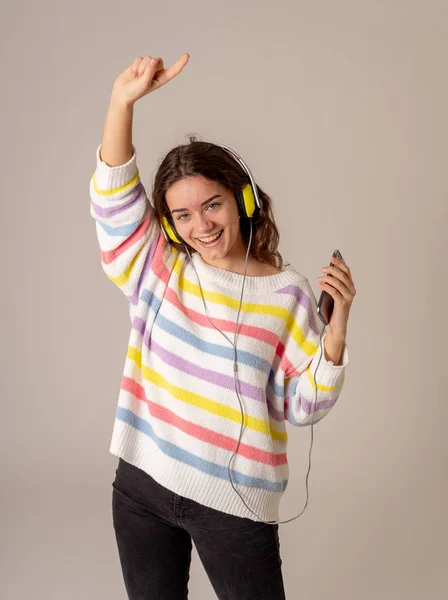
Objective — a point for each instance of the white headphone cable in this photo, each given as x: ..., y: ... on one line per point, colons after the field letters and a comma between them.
x: 235, y: 371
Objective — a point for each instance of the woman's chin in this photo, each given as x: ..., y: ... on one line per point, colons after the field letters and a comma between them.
x: 213, y: 254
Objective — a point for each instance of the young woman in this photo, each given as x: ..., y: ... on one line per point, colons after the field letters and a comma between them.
x: 223, y: 351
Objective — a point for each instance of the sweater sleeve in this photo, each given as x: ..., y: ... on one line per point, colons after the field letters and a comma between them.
x: 129, y: 237
x: 302, y: 348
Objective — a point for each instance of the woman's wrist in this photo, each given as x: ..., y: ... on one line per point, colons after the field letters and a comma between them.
x: 333, y: 348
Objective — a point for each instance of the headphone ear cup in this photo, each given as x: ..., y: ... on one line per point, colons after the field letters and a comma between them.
x: 247, y: 199
x: 170, y: 231
x: 240, y: 204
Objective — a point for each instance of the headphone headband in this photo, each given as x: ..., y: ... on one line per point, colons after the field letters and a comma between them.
x: 249, y: 174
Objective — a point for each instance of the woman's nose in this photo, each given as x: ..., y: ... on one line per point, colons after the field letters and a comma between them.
x: 204, y: 223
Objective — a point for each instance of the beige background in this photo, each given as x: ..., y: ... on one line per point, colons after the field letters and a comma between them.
x: 340, y: 110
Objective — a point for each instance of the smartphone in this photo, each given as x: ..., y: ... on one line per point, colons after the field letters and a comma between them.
x: 326, y: 303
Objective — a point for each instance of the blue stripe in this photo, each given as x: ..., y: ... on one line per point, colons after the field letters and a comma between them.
x: 123, y: 231
x: 151, y: 300
x: 243, y: 357
x: 279, y: 390
x: 192, y: 460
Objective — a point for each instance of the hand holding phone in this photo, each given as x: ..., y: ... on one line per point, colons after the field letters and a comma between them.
x: 326, y: 303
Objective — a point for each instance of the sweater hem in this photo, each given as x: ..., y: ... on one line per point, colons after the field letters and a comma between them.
x: 184, y: 480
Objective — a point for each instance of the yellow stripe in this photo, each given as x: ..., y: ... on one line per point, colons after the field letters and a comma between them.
x: 202, y: 402
x: 320, y: 387
x: 117, y: 190
x: 124, y: 277
x: 274, y: 311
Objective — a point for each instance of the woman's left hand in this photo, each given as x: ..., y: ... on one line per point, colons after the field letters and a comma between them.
x: 342, y: 290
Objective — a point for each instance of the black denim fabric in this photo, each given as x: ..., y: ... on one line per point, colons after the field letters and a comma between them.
x: 155, y: 528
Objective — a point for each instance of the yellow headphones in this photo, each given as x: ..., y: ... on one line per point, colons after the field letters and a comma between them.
x: 247, y: 201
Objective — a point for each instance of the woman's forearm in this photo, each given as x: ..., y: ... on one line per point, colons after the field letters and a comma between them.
x: 116, y: 147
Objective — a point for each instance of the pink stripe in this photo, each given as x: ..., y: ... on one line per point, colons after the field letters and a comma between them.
x: 109, y: 256
x: 256, y: 333
x: 285, y: 364
x: 202, y: 433
x: 158, y: 264
x: 251, y: 331
x: 208, y: 375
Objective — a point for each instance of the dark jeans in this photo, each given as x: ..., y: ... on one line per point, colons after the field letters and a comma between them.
x: 154, y: 529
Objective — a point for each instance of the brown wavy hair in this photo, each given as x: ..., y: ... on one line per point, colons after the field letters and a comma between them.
x: 216, y: 164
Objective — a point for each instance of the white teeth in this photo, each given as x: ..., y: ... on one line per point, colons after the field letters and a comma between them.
x: 209, y: 239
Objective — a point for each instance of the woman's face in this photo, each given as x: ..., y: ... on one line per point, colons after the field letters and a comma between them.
x: 200, y: 209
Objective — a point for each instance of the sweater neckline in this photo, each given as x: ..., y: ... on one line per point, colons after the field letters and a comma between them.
x: 254, y: 283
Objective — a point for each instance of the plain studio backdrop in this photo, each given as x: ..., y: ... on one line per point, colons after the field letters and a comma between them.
x: 340, y: 110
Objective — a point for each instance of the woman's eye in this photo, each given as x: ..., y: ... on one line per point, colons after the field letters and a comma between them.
x: 179, y: 218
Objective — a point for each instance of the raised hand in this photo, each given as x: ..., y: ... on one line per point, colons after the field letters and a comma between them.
x: 145, y: 75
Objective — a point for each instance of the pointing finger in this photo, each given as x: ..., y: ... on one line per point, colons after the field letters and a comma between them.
x: 168, y: 74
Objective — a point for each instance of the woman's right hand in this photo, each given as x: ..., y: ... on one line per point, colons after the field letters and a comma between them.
x: 144, y: 76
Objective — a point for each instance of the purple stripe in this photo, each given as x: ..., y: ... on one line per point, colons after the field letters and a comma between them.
x: 110, y: 211
x: 146, y: 267
x: 307, y: 406
x: 303, y: 299
x: 225, y: 381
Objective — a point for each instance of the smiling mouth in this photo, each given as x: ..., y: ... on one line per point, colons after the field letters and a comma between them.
x: 211, y: 241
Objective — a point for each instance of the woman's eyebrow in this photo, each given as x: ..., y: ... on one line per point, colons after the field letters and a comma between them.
x: 202, y: 204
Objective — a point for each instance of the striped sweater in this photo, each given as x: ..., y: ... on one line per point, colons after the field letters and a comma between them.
x: 178, y: 417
